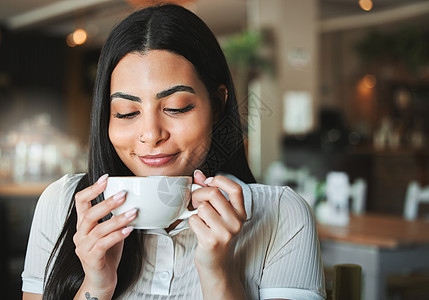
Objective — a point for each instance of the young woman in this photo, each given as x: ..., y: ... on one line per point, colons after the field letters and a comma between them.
x: 164, y: 104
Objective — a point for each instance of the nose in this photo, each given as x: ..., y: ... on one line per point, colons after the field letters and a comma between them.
x: 152, y: 131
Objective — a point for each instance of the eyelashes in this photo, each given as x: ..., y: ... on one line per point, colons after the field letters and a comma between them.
x: 172, y: 111
x: 127, y: 116
x: 180, y: 110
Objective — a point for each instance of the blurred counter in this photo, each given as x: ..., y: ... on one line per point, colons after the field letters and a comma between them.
x: 32, y: 189
x: 17, y: 204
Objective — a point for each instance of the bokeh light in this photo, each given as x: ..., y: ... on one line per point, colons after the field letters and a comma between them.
x: 78, y: 37
x: 369, y: 81
x: 366, y: 5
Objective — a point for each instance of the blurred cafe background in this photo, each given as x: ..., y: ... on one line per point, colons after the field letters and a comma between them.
x: 334, y: 100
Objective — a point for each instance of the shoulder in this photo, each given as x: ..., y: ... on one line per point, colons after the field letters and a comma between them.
x: 59, y: 193
x: 283, y: 197
x: 48, y: 220
x: 282, y: 205
x: 294, y: 204
x: 64, y: 184
x: 62, y: 187
x: 291, y: 247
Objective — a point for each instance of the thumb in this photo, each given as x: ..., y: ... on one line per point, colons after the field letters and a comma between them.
x: 199, y: 177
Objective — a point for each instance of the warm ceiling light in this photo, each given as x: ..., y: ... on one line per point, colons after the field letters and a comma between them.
x: 69, y: 40
x: 369, y: 81
x: 366, y: 4
x: 79, y: 36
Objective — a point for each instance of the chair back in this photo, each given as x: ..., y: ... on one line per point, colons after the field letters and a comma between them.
x: 358, y: 195
x: 415, y: 195
x: 346, y: 282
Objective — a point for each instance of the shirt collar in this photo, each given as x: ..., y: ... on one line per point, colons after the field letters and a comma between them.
x: 247, y: 195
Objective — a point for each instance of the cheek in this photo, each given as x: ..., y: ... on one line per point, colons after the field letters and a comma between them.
x: 199, y: 135
x: 119, y: 137
x: 197, y: 130
x: 195, y: 139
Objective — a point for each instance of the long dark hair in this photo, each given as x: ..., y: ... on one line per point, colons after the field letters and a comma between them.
x: 175, y: 29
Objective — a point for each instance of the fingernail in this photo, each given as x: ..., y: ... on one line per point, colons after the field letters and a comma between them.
x: 127, y: 230
x: 102, y: 179
x: 131, y: 213
x: 119, y: 196
x: 208, y: 180
x: 198, y: 172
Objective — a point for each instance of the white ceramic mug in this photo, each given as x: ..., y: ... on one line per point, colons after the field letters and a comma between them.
x: 160, y: 200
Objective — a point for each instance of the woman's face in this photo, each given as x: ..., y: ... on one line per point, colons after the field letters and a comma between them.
x: 161, y: 117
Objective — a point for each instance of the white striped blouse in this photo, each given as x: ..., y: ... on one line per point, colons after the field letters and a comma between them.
x: 276, y: 254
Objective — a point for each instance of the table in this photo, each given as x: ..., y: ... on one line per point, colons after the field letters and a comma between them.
x: 17, y: 204
x: 381, y: 244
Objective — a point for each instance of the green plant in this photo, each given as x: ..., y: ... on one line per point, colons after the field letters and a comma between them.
x: 242, y: 51
x: 409, y: 45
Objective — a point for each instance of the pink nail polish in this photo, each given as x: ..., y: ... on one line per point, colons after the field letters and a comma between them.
x: 127, y: 230
x: 198, y: 172
x: 208, y: 180
x: 131, y: 213
x: 102, y: 179
x: 119, y: 196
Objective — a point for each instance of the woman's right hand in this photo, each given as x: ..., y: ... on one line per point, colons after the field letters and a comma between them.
x: 99, y: 245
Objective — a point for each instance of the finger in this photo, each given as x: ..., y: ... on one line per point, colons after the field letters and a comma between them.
x: 197, y: 225
x: 219, y: 215
x: 107, y: 242
x: 209, y: 238
x: 199, y: 196
x: 209, y: 215
x: 106, y: 228
x: 83, y: 198
x: 233, y: 189
x: 199, y: 177
x: 100, y: 210
x: 102, y: 245
x: 217, y: 200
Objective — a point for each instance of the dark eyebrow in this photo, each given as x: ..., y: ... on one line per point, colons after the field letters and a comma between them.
x: 174, y: 89
x: 162, y: 94
x: 125, y: 96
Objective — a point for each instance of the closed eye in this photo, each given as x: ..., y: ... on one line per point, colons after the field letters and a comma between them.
x: 127, y: 116
x: 179, y: 110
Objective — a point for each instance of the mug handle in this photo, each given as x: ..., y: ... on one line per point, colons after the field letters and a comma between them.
x: 188, y: 213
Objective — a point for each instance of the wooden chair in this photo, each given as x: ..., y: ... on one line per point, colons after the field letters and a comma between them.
x: 343, y: 281
x: 411, y: 285
x: 414, y: 286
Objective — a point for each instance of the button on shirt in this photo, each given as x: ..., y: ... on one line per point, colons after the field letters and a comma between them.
x: 276, y: 253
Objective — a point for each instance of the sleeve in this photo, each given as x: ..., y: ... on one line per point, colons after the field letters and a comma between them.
x: 293, y: 268
x: 48, y: 220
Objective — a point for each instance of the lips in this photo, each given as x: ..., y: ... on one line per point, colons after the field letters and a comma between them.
x: 157, y: 159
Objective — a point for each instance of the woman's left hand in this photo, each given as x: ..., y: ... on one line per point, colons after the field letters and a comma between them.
x: 217, y: 223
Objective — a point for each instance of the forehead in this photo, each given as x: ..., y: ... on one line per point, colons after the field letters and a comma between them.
x: 154, y: 71
x: 159, y: 64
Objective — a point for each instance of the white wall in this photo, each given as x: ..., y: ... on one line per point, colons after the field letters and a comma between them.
x: 294, y: 27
